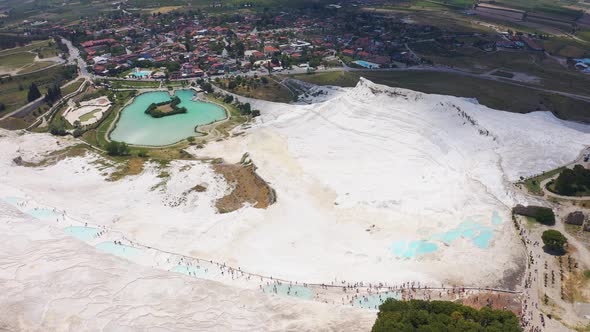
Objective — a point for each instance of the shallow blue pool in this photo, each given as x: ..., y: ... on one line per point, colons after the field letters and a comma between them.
x: 193, y: 271
x: 411, y: 249
x: 479, y: 234
x: 81, y: 232
x: 12, y: 200
x: 297, y: 291
x: 483, y: 239
x: 375, y: 300
x: 44, y: 213
x: 120, y: 250
x: 496, y: 219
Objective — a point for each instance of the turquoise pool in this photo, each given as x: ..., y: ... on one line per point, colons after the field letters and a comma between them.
x: 411, y: 249
x: 366, y: 64
x: 496, y: 219
x: 81, y: 232
x: 192, y: 271
x: 120, y: 250
x: 479, y: 235
x: 297, y: 291
x: 136, y: 127
x: 375, y: 300
x: 12, y: 200
x: 141, y: 73
x: 43, y: 213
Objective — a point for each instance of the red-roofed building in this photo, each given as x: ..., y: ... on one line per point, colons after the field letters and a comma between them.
x: 91, y: 43
x: 270, y: 50
x: 349, y: 53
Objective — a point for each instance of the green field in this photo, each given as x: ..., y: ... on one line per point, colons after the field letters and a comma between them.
x: 489, y: 93
x: 533, y: 184
x: 15, y: 89
x: 21, y: 59
x: 72, y: 87
x: 89, y: 115
x: 133, y: 84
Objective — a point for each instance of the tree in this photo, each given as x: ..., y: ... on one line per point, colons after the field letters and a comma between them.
x: 117, y: 149
x: 554, y: 241
x: 419, y: 315
x: 34, y: 92
x: 58, y: 126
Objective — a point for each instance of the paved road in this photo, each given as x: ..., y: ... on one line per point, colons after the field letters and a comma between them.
x: 76, y: 59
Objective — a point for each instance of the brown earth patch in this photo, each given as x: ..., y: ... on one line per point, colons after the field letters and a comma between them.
x: 502, y: 301
x: 132, y: 166
x: 54, y: 157
x: 248, y: 188
x: 166, y: 108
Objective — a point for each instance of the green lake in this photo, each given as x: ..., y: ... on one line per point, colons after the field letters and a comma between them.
x: 136, y: 127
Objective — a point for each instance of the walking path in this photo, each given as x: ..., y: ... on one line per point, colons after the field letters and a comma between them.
x: 337, y: 292
x: 545, y: 273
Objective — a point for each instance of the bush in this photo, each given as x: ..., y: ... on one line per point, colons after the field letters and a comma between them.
x: 117, y: 149
x: 58, y: 126
x: 542, y: 214
x: 573, y: 181
x: 554, y: 241
x: 78, y: 132
x: 419, y: 315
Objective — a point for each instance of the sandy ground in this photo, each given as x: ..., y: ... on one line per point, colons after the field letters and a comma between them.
x: 353, y: 175
x: 99, y: 105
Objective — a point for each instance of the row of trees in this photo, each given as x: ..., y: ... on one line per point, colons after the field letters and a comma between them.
x: 244, y: 108
x: 53, y: 93
x: 431, y: 316
x: 117, y: 148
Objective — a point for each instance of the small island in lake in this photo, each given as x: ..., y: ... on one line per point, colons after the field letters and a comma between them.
x: 169, y: 107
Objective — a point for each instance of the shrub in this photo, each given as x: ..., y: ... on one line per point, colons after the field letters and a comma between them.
x: 117, y: 149
x: 554, y: 240
x: 78, y: 132
x: 542, y: 214
x: 573, y: 181
x: 58, y: 126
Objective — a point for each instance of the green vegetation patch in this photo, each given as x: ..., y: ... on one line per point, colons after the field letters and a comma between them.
x: 572, y: 182
x: 134, y: 84
x: 156, y: 110
x: 543, y: 215
x: 554, y: 241
x: 89, y: 115
x: 419, y: 315
x: 15, y: 89
x: 533, y: 185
